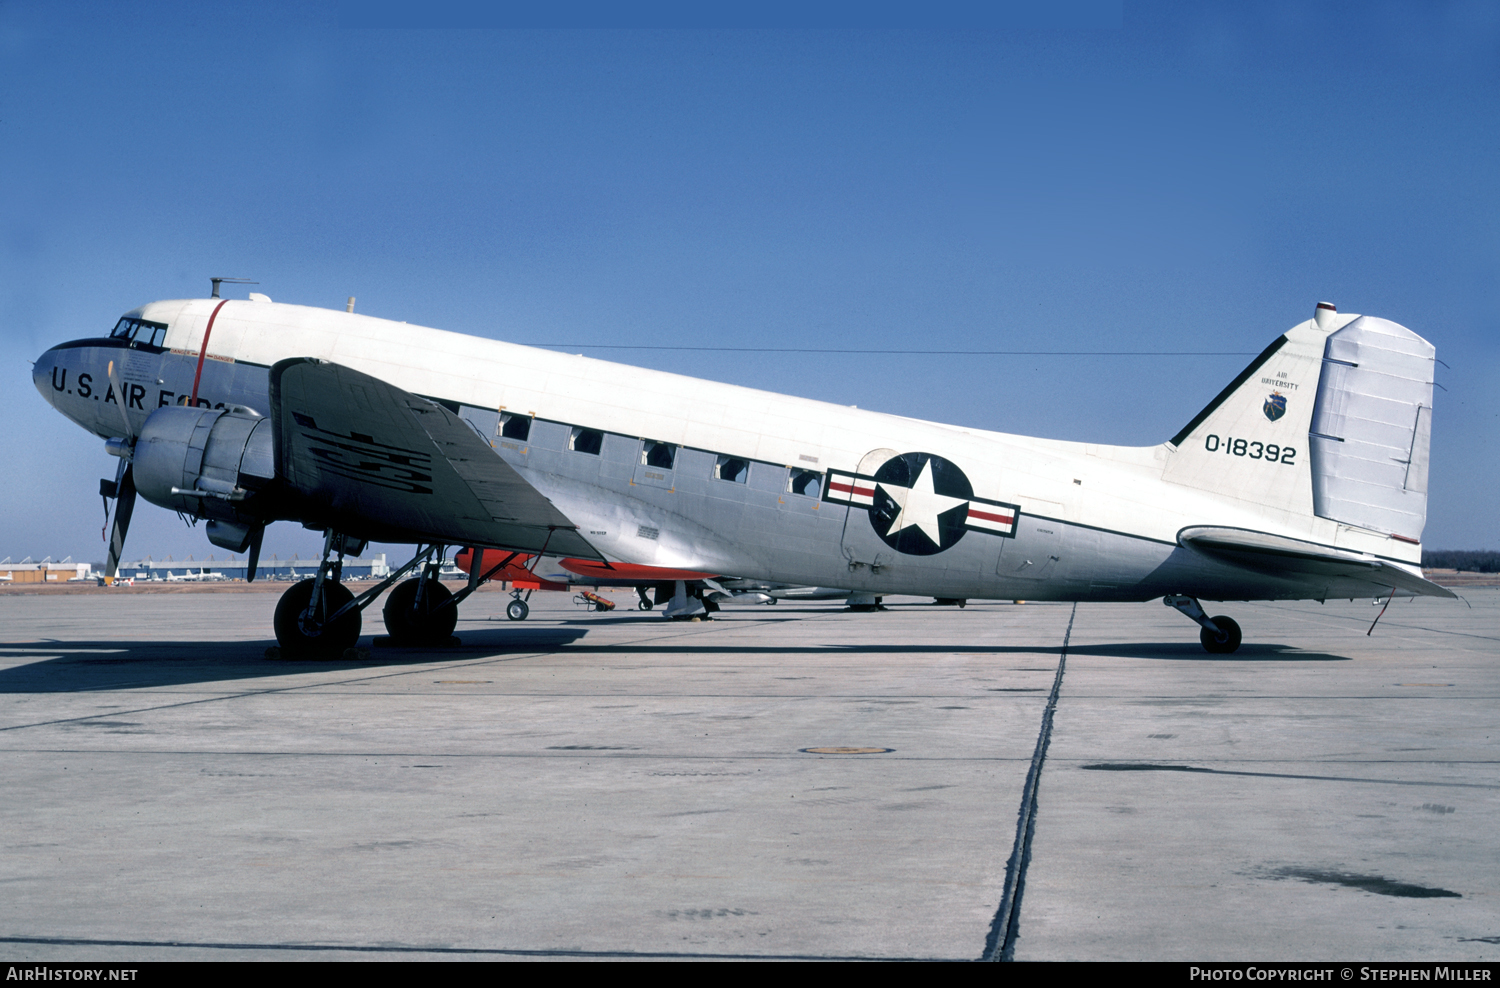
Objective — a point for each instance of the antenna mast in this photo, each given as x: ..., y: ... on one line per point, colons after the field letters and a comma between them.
x: 232, y: 281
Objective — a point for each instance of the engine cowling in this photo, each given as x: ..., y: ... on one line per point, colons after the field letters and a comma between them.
x: 212, y: 463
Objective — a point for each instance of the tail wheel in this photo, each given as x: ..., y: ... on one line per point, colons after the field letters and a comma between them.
x: 428, y: 625
x: 517, y: 610
x: 644, y: 605
x: 1230, y: 640
x: 318, y: 637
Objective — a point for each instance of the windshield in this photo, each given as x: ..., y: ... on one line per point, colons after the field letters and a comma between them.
x: 140, y: 331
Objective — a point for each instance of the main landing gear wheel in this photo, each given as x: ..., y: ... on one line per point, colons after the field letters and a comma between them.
x: 645, y: 605
x: 316, y: 637
x: 431, y: 625
x: 517, y: 610
x: 1230, y: 640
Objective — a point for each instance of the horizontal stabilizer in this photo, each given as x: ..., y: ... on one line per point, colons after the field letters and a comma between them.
x: 398, y: 468
x: 1276, y: 555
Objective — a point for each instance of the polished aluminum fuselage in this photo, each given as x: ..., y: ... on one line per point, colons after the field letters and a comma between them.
x: 1094, y: 522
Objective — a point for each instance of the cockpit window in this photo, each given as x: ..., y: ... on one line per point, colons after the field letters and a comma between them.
x: 139, y: 331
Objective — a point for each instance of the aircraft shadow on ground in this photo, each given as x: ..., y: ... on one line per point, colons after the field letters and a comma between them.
x: 1193, y: 652
x: 631, y: 615
x: 85, y: 666
x: 1173, y: 651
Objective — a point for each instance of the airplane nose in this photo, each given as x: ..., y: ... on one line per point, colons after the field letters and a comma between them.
x: 42, y: 374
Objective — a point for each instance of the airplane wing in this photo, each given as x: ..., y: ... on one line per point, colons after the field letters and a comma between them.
x: 1276, y: 555
x: 407, y: 468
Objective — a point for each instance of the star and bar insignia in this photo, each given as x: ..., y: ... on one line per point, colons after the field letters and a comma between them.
x: 921, y: 504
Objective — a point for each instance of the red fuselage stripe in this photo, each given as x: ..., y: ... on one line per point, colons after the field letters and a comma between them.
x: 1002, y: 519
x: 203, y: 352
x: 851, y: 489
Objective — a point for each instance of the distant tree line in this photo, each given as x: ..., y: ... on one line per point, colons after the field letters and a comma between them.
x: 1472, y: 561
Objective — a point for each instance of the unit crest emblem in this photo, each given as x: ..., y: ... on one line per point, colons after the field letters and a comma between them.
x: 1275, y: 406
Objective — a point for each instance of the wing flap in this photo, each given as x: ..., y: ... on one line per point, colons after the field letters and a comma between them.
x: 1278, y: 555
x: 404, y: 468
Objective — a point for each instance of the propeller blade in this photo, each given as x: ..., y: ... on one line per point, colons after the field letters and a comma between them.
x: 124, y: 505
x: 255, y: 539
x: 119, y: 386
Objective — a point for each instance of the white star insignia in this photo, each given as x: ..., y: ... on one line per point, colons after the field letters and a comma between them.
x: 921, y: 505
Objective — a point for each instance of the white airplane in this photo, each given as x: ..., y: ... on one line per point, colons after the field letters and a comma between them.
x: 1305, y: 478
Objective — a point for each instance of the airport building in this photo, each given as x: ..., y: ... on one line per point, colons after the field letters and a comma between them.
x: 235, y: 567
x: 45, y: 571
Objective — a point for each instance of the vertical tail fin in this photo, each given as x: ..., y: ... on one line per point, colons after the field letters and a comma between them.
x: 1333, y: 419
x: 1250, y: 443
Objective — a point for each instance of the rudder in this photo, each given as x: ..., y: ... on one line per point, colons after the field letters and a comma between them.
x: 1372, y: 428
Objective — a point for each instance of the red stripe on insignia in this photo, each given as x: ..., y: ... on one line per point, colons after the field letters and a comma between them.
x: 1002, y: 519
x: 851, y: 489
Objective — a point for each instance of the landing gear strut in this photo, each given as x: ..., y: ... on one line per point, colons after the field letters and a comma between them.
x: 685, y: 604
x: 1220, y: 634
x: 419, y: 611
x: 318, y: 617
x: 517, y: 609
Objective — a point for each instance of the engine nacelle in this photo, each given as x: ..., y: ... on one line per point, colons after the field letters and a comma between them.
x: 207, y: 462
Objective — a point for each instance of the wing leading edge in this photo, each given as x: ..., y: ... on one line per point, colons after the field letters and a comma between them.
x: 1276, y: 555
x: 388, y: 465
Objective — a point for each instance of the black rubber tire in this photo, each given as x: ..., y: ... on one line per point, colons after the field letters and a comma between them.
x: 644, y: 605
x: 1231, y: 639
x: 328, y: 643
x: 517, y: 610
x: 431, y: 626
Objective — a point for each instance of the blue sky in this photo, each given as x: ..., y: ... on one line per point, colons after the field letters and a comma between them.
x: 1191, y: 181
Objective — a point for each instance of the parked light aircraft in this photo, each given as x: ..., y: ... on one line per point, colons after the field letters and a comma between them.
x: 680, y: 591
x: 1305, y: 478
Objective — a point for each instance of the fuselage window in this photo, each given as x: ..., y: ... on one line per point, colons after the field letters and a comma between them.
x: 659, y: 455
x: 732, y: 469
x: 516, y: 427
x: 808, y: 483
x: 586, y: 441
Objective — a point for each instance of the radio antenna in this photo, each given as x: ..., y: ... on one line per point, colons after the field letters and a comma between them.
x: 233, y: 281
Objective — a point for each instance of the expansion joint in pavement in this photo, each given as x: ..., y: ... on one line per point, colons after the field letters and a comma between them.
x: 1000, y: 945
